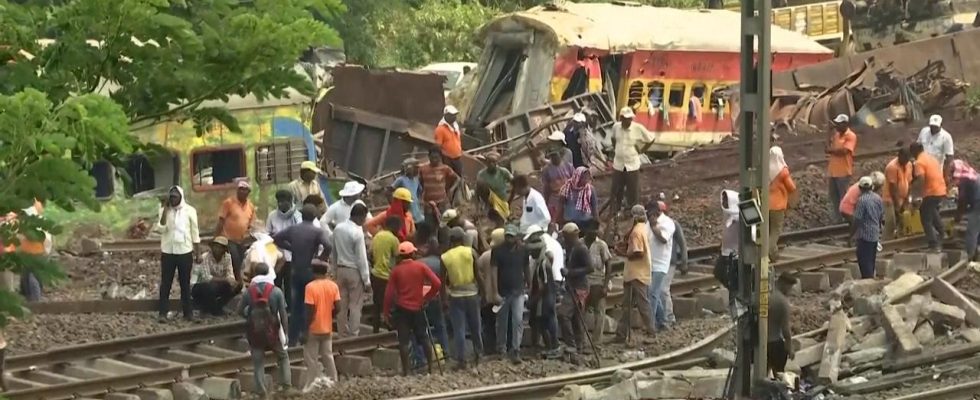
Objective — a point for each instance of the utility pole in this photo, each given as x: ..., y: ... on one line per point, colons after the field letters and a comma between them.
x: 754, y: 131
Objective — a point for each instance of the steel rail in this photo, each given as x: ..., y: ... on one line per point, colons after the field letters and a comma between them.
x: 544, y: 387
x: 175, y: 373
x: 963, y: 391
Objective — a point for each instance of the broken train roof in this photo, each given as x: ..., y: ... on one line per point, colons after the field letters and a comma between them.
x: 621, y: 28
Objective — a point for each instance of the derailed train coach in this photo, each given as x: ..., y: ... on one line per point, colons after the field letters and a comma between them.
x: 669, y: 65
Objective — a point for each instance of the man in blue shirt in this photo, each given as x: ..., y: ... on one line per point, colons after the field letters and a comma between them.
x: 866, y: 227
x: 410, y: 180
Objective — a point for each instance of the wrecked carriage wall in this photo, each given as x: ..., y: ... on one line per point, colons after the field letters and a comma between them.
x: 372, y: 120
x: 960, y: 51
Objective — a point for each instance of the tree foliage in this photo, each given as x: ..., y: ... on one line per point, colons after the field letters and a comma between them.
x: 76, y: 76
x: 412, y: 33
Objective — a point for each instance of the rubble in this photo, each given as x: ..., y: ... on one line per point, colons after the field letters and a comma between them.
x: 694, y: 383
x: 902, y: 331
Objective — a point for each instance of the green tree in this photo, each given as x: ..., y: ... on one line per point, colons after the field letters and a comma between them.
x: 76, y: 76
x: 438, y: 30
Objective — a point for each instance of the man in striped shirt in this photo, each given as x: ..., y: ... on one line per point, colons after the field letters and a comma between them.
x: 866, y: 227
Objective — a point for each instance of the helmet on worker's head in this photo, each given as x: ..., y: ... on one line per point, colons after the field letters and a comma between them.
x: 402, y: 194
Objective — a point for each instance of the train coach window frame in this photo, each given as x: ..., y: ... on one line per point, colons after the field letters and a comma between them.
x: 233, y: 151
x: 169, y: 162
x: 677, y: 102
x: 270, y: 156
x: 104, y: 174
x: 636, y: 100
x: 650, y: 87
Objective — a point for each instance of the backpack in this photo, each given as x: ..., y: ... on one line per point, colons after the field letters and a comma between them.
x: 262, y: 325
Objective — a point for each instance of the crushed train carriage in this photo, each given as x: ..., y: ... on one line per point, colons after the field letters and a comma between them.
x: 667, y: 64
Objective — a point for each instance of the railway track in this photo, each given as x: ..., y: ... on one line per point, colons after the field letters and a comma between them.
x: 962, y: 391
x: 92, y: 370
x: 95, y: 369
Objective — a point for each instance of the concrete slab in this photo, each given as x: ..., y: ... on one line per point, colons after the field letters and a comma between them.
x: 838, y: 276
x: 883, y: 268
x: 936, y: 263
x: 115, y: 367
x: 246, y: 380
x: 833, y: 348
x: 946, y: 293
x: 188, y: 391
x: 218, y: 388
x: 854, y: 268
x: 351, y: 365
x: 925, y: 333
x: 155, y: 394
x: 945, y: 315
x: 814, y: 282
x: 810, y: 355
x: 387, y: 359
x: 867, y: 305
x: 876, y: 338
x: 912, y: 262
x: 902, y: 284
x: 121, y: 396
x: 899, y: 331
x: 971, y: 335
x: 716, y: 301
x: 686, y: 307
x: 722, y: 358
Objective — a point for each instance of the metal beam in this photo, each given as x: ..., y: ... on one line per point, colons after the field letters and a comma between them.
x: 755, y: 93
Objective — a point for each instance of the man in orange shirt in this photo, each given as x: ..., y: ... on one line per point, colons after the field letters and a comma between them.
x: 781, y: 189
x: 449, y: 138
x: 898, y: 176
x: 235, y: 221
x: 840, y: 166
x: 322, y: 295
x: 929, y: 183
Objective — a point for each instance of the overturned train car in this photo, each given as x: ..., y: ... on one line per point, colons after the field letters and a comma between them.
x: 667, y: 64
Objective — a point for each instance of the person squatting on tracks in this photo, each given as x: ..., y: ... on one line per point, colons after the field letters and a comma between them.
x: 213, y: 279
x: 404, y: 303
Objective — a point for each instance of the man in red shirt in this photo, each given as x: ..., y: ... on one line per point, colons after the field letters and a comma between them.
x: 407, y: 294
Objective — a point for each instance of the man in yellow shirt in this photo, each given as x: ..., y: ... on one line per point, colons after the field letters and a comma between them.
x: 384, y: 253
x: 462, y: 292
x: 637, y: 275
x: 307, y: 185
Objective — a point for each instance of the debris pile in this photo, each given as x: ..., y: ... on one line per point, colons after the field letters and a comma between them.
x: 694, y: 383
x: 893, y: 97
x: 888, y: 333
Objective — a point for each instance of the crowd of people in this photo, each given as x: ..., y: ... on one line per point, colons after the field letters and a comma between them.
x: 440, y: 271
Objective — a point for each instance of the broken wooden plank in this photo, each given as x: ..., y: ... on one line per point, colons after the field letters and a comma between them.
x: 834, y: 346
x: 899, y: 331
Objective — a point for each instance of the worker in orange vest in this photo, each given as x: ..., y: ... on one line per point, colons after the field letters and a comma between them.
x: 449, y: 138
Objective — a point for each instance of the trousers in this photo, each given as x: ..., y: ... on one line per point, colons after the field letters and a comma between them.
x: 179, y: 264
x: 625, y: 186
x: 351, y: 301
x: 212, y: 296
x: 317, y: 357
x: 297, y: 318
x: 867, y: 253
x: 776, y: 218
x: 378, y: 287
x: 932, y: 223
x: 258, y: 364
x: 636, y: 293
x: 836, y: 191
x: 510, y: 324
x: 972, y: 231
x: 464, y: 315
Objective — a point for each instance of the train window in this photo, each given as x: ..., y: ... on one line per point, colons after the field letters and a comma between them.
x: 696, y: 103
x: 151, y: 171
x: 105, y: 183
x: 676, y: 96
x: 656, y: 94
x: 217, y: 167
x: 278, y: 161
x: 635, y: 94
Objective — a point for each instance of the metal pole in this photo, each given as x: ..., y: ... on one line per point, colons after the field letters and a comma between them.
x: 754, y: 128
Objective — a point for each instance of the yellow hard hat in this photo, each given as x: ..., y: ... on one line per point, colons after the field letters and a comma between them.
x: 402, y: 194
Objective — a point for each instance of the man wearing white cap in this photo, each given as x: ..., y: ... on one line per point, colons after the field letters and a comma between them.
x: 449, y: 138
x: 629, y: 141
x: 339, y: 211
x: 307, y: 184
x: 840, y: 166
x: 557, y: 145
x: 866, y: 227
x: 937, y: 142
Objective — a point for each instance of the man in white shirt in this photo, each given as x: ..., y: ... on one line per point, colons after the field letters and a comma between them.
x: 937, y: 142
x: 339, y: 211
x: 629, y: 141
x: 535, y: 210
x: 179, y: 238
x: 352, y: 270
x: 307, y: 184
x: 661, y: 248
